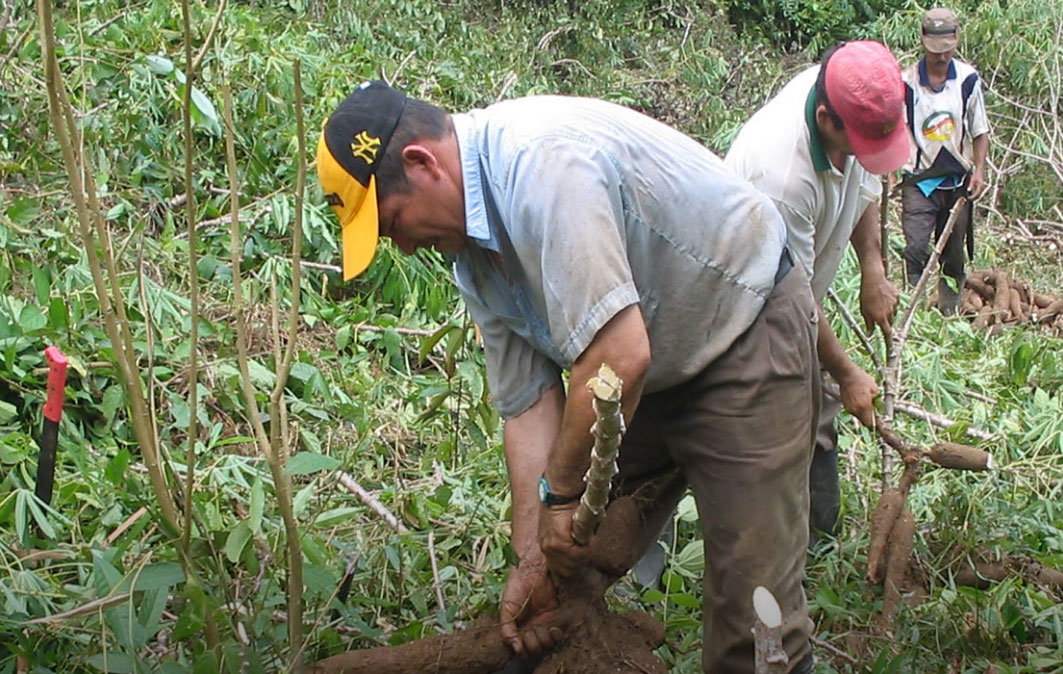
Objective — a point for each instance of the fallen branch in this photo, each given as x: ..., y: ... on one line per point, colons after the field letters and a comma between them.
x: 913, y: 410
x: 374, y: 504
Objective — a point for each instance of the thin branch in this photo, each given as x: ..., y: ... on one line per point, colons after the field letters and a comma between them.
x: 850, y: 320
x: 913, y: 410
x: 193, y: 280
x: 83, y: 193
x: 371, y: 501
x: 893, y: 374
x: 205, y: 47
x: 435, y: 572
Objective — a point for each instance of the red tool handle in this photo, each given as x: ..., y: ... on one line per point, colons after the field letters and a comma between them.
x: 53, y: 406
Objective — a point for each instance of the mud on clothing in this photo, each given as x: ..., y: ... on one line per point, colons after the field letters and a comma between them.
x: 576, y: 209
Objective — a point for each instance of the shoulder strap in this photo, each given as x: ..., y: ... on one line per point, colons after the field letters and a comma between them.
x: 966, y: 89
x: 909, y: 104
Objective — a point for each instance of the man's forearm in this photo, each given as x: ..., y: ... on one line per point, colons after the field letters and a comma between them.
x: 528, y: 439
x: 981, y: 151
x: 832, y: 355
x: 623, y: 344
x: 866, y: 240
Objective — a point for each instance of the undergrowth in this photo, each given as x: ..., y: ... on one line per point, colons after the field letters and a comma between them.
x: 388, y: 382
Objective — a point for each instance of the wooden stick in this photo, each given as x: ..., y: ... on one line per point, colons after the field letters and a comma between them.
x: 435, y: 572
x: 911, y: 409
x: 883, y: 225
x: 893, y: 374
x: 850, y: 320
x: 374, y: 504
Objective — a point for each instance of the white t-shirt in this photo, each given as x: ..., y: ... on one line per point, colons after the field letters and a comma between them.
x: 780, y: 152
x: 934, y: 117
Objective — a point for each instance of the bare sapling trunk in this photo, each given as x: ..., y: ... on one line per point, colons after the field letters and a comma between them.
x: 274, y: 445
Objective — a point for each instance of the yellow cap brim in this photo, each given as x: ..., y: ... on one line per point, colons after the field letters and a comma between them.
x: 360, y: 234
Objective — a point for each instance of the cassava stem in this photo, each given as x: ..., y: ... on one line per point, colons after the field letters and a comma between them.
x: 608, y: 429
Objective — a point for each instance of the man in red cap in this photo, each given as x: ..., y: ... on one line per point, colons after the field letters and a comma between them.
x: 950, y: 134
x: 583, y: 232
x: 815, y: 150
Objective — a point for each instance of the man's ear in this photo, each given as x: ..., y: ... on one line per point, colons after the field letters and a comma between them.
x: 416, y: 156
x: 823, y: 118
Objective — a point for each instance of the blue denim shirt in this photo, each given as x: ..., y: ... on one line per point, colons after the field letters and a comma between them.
x: 578, y: 208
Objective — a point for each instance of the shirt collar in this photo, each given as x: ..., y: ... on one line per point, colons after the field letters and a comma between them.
x: 477, y: 226
x: 924, y: 76
x: 819, y: 155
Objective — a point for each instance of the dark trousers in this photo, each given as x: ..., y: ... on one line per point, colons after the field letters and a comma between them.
x: 824, y: 487
x: 741, y: 435
x: 925, y: 216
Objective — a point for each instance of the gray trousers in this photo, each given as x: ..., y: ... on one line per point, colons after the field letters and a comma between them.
x: 741, y: 434
x: 923, y: 218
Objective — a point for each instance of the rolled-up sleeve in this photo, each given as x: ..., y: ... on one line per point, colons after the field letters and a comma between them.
x: 564, y: 202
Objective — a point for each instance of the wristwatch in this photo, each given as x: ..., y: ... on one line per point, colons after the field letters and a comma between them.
x: 548, y: 498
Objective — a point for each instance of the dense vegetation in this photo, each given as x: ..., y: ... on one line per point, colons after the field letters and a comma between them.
x: 387, y: 382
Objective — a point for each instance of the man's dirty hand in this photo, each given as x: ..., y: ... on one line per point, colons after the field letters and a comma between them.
x: 858, y: 391
x: 563, y: 555
x: 529, y: 603
x: 878, y: 304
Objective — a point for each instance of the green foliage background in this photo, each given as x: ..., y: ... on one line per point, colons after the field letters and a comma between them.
x: 389, y: 383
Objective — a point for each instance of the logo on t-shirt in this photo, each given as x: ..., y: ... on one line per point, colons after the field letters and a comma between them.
x: 938, y: 126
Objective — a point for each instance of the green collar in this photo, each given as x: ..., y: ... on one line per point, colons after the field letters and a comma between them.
x: 819, y: 156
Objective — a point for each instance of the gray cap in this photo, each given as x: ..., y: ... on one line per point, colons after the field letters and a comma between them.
x: 941, y: 30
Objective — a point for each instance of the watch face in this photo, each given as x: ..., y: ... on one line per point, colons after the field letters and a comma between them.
x: 544, y: 490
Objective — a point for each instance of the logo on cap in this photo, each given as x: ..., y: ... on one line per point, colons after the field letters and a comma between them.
x: 364, y: 147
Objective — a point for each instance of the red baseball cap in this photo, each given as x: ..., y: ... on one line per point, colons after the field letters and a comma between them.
x: 863, y: 82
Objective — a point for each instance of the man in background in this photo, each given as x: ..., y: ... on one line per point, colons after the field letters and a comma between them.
x: 815, y: 150
x: 950, y: 140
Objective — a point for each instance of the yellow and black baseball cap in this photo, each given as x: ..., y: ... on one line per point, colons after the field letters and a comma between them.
x: 352, y: 142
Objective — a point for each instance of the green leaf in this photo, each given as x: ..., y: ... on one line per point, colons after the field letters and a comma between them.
x: 257, y: 505
x: 335, y: 516
x: 685, y: 600
x: 307, y: 463
x: 159, y: 576
x: 237, y: 540
x: 58, y: 315
x: 32, y: 319
x: 1021, y: 362
x: 302, y: 499
x: 204, y: 106
x: 343, y: 337
x: 113, y: 399
x: 42, y: 284
x: 113, y: 662
x: 7, y: 412
x: 160, y: 65
x: 428, y: 343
